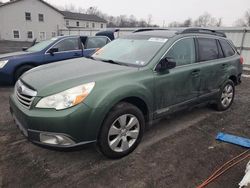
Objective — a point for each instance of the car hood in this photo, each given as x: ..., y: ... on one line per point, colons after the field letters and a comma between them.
x: 13, y: 55
x: 59, y: 76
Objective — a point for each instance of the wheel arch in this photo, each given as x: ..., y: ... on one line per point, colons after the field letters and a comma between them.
x: 234, y: 79
x: 33, y: 64
x: 139, y: 102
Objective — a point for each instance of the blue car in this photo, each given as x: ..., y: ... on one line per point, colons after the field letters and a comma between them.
x: 13, y: 65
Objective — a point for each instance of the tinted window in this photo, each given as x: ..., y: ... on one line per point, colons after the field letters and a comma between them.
x: 227, y: 49
x: 208, y: 49
x: 68, y: 45
x: 183, y: 52
x: 96, y: 42
x: 221, y: 55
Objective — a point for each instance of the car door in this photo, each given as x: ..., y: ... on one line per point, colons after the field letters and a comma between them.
x: 66, y: 48
x: 179, y: 86
x: 94, y: 43
x: 212, y: 66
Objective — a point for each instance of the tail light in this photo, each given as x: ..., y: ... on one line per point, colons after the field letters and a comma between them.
x: 241, y: 60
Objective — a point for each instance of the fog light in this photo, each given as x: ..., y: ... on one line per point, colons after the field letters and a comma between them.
x: 53, y: 139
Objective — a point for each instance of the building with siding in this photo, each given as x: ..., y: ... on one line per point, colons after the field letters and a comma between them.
x: 83, y: 21
x: 26, y: 20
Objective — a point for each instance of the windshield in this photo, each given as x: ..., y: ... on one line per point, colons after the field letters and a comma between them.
x: 137, y: 52
x: 41, y: 45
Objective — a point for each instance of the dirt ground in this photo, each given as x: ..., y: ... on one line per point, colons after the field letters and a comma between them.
x: 180, y: 151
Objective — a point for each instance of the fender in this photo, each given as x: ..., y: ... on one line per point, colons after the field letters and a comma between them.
x: 102, y: 104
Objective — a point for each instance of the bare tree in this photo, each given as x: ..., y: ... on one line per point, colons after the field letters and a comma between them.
x: 206, y: 20
x: 219, y: 22
x: 112, y: 21
x: 149, y: 21
x: 247, y: 17
x: 174, y: 24
x: 93, y: 11
x: 187, y: 23
x: 244, y: 21
x: 81, y: 10
x: 203, y: 20
x: 133, y: 21
x: 70, y: 8
x: 142, y: 23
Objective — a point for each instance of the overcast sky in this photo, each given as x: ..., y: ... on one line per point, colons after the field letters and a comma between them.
x: 168, y: 10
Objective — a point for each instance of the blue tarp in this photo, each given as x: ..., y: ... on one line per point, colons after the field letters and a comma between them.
x: 244, y: 142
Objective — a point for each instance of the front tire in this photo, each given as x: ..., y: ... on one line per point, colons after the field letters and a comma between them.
x: 122, y: 131
x: 226, y: 96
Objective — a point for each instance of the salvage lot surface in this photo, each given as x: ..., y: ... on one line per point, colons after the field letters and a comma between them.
x: 179, y: 151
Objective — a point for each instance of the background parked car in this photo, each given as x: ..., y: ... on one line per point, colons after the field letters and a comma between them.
x: 13, y: 65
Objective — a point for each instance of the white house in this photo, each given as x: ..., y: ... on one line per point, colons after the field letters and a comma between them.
x: 26, y: 20
x: 86, y: 21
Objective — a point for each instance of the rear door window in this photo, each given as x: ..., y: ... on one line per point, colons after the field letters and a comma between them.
x: 227, y: 48
x: 69, y: 44
x: 183, y: 52
x: 96, y: 42
x: 208, y: 49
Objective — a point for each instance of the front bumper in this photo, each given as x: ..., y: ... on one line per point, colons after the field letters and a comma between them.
x: 5, y: 79
x: 76, y: 124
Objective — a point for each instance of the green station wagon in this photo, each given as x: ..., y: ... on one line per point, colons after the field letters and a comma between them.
x: 109, y: 98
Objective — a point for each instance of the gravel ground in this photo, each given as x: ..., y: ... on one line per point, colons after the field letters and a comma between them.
x: 179, y: 151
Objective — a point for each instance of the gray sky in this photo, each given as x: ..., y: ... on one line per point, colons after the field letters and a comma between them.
x: 168, y: 10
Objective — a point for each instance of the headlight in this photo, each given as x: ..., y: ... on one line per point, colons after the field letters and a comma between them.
x: 3, y: 63
x: 68, y: 98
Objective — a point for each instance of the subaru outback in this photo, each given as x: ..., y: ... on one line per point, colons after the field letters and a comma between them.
x: 109, y: 98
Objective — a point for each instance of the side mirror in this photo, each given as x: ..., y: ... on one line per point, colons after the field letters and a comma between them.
x: 166, y: 64
x: 52, y: 51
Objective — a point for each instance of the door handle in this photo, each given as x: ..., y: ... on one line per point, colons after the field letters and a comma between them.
x: 196, y: 73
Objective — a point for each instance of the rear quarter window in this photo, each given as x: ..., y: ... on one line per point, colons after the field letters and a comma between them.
x: 227, y: 48
x: 208, y: 49
x: 96, y: 42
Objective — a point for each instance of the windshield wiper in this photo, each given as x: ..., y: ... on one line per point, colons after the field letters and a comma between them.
x: 90, y: 57
x: 113, y: 62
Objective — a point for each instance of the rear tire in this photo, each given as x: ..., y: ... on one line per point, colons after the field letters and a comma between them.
x: 122, y: 131
x: 21, y: 70
x: 226, y: 96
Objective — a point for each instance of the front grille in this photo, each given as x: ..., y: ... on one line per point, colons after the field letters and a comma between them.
x: 24, y: 95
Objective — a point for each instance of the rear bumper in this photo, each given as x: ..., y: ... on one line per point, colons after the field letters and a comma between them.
x: 239, y: 79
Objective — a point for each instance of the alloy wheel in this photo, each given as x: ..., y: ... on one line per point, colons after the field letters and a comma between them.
x: 123, y: 133
x: 227, y: 95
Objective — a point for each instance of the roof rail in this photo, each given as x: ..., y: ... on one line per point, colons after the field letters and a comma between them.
x: 148, y: 29
x: 203, y: 31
